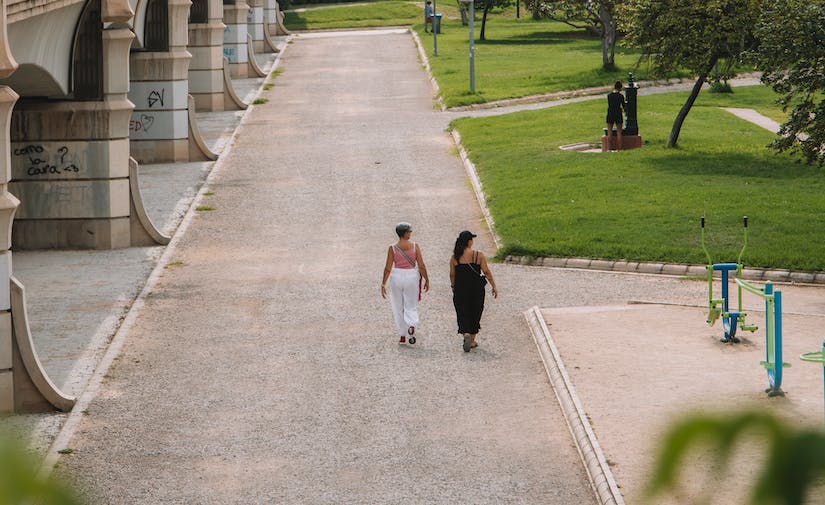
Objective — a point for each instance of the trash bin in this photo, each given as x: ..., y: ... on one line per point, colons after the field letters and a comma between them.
x: 437, y: 23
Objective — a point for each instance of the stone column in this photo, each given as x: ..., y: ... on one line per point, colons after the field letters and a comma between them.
x: 70, y: 162
x: 234, y: 38
x: 271, y: 16
x: 159, y: 127
x: 255, y: 25
x: 8, y: 206
x: 206, y: 66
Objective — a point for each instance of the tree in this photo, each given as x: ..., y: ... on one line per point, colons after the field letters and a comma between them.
x: 489, y: 4
x: 596, y: 16
x: 791, y: 55
x: 692, y: 34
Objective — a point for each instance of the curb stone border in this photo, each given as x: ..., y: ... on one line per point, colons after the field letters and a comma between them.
x: 422, y: 54
x: 674, y: 269
x: 598, y: 471
x: 477, y: 189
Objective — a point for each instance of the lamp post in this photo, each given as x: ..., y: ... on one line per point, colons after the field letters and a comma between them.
x: 472, y: 49
x: 435, y: 35
x: 472, y: 46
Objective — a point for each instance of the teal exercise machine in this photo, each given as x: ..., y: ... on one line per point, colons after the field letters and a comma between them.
x: 731, y: 320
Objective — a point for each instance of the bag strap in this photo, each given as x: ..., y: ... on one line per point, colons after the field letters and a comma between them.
x: 410, y: 261
x: 475, y: 259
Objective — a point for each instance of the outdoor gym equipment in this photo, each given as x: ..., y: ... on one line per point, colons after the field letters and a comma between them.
x: 720, y: 307
x: 816, y: 357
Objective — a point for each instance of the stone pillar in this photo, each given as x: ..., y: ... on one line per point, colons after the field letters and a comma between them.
x: 8, y: 206
x: 234, y: 38
x: 255, y: 25
x: 271, y: 15
x: 70, y: 162
x: 159, y: 127
x: 206, y: 66
x: 274, y: 18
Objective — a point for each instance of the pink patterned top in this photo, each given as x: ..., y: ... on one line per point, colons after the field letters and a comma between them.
x: 398, y: 259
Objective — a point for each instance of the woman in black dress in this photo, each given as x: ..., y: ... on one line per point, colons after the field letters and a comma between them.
x: 469, y: 274
x: 615, y: 113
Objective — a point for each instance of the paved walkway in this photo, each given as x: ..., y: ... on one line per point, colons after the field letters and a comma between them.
x: 538, y: 102
x: 263, y: 367
x: 755, y: 118
x: 260, y: 366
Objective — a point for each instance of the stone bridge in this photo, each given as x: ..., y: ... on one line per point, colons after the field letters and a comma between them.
x: 89, y: 89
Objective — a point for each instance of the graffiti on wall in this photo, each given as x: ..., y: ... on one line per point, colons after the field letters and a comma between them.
x: 156, y: 97
x: 142, y: 123
x: 41, y: 162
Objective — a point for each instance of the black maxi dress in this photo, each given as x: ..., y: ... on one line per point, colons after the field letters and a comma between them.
x: 468, y: 296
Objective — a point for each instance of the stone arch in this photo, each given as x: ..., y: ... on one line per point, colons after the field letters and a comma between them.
x: 199, y: 12
x: 42, y: 45
x: 156, y: 26
x: 33, y: 80
x: 87, y: 54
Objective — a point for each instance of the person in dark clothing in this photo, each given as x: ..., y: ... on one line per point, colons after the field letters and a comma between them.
x: 428, y: 15
x: 615, y: 112
x: 469, y: 274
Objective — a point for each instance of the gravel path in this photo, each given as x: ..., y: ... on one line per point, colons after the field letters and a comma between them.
x: 263, y: 368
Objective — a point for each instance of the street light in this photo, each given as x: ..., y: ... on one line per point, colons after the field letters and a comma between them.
x: 472, y: 46
x: 435, y: 37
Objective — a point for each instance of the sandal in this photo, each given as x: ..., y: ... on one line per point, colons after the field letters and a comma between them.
x: 467, y: 343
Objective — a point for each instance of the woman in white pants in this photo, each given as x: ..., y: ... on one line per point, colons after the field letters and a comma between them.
x: 405, y: 271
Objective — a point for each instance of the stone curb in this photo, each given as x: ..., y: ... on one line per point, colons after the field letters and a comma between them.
x: 422, y: 54
x: 477, y: 189
x: 675, y: 269
x: 469, y: 167
x: 598, y: 471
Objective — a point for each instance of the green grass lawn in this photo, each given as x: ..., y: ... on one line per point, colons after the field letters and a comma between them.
x: 520, y: 57
x: 389, y: 13
x: 645, y: 204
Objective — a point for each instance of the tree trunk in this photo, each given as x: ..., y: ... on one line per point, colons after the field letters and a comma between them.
x: 608, y: 36
x: 487, y: 6
x: 680, y: 118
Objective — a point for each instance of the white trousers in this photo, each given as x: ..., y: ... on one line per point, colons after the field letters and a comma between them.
x: 404, y: 298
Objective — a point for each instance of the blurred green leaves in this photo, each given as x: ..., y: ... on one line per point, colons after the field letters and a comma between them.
x: 20, y: 483
x: 794, y: 458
